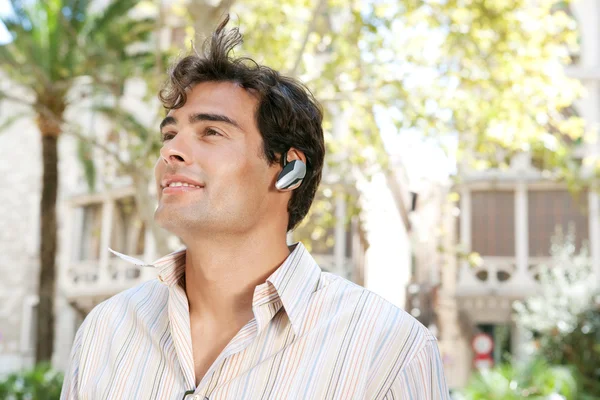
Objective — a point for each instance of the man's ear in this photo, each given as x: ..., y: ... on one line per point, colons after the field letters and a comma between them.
x: 294, y: 154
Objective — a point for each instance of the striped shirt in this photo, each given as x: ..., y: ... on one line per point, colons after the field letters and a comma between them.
x: 314, y: 335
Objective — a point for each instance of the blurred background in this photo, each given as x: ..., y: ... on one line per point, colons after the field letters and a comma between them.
x: 461, y: 180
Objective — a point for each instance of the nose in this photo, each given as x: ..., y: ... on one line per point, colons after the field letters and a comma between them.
x: 175, y: 151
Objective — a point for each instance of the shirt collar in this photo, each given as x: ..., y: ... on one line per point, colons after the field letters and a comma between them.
x: 293, y: 282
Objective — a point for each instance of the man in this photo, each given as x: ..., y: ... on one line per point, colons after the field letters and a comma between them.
x: 238, y: 314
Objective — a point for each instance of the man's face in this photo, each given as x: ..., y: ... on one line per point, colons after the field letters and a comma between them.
x: 212, y: 144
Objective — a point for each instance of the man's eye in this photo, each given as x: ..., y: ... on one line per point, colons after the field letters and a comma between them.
x: 167, y: 136
x: 211, y: 132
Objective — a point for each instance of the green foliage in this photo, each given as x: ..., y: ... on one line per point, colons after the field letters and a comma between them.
x: 317, y: 231
x: 535, y: 380
x: 580, y: 348
x: 321, y: 43
x: 490, y: 72
x: 40, y: 383
x: 563, y: 319
x: 497, y: 78
x: 57, y: 41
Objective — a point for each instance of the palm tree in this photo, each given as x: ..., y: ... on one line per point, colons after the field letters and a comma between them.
x: 54, y: 44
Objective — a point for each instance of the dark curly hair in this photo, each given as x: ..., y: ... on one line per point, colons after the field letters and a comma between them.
x: 287, y: 115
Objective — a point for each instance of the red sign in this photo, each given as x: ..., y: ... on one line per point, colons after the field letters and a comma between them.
x: 483, y: 362
x: 483, y: 345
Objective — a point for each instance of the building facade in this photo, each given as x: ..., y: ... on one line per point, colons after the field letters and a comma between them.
x: 508, y: 217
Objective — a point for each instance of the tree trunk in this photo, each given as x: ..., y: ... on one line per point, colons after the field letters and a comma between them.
x: 48, y: 240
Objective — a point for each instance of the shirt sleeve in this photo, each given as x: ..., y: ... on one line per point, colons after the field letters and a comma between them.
x: 423, y: 377
x: 71, y: 381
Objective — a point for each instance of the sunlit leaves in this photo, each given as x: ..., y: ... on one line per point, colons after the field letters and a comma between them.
x: 501, y: 74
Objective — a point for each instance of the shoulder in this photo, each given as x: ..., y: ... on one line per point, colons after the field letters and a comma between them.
x: 404, y: 356
x: 393, y: 327
x: 391, y: 324
x: 131, y: 316
x: 389, y: 315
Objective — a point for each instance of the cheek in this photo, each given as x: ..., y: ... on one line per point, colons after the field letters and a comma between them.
x: 249, y: 175
x: 237, y: 160
x: 238, y: 168
x: 242, y: 174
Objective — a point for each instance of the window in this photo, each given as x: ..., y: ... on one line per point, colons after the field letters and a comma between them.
x: 552, y: 209
x: 493, y: 223
x: 89, y: 241
x: 127, y: 234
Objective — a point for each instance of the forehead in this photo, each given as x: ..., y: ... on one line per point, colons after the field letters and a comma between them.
x: 226, y: 98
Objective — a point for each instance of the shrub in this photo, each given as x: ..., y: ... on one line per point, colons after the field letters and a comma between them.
x: 563, y: 318
x: 535, y: 380
x: 40, y: 383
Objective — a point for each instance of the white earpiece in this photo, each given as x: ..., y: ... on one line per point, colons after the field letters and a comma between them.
x: 292, y: 175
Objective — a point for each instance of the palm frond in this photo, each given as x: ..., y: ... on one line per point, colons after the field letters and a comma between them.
x: 116, y: 10
x: 75, y: 12
x: 26, y: 27
x: 20, y: 12
x: 8, y: 122
x: 125, y: 120
x: 57, y: 41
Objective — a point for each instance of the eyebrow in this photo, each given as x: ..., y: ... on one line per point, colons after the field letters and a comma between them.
x: 201, y: 117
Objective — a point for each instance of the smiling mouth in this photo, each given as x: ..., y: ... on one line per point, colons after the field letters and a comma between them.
x: 181, y: 184
x: 181, y: 188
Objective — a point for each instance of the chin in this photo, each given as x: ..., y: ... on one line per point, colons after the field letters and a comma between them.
x: 168, y: 219
x: 179, y: 223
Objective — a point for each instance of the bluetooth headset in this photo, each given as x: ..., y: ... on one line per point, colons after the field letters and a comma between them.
x: 292, y: 174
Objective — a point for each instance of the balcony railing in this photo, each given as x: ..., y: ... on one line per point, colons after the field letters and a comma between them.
x: 87, y: 283
x: 500, y: 276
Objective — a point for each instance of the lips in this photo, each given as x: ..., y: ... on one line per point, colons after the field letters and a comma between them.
x: 180, y: 189
x: 180, y: 181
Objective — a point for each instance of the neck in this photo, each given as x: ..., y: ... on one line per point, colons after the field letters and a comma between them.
x: 222, y: 273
